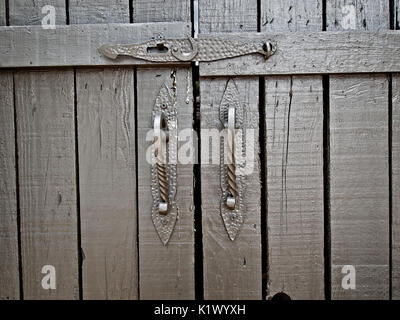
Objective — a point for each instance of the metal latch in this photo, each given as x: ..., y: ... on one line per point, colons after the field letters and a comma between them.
x: 188, y: 49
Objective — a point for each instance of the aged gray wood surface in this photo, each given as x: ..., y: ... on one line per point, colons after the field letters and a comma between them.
x: 294, y: 160
x: 359, y: 177
x: 107, y: 167
x: 294, y: 164
x: 100, y: 11
x: 227, y: 16
x: 313, y: 53
x: 107, y: 182
x: 396, y: 15
x: 166, y: 272
x: 29, y: 12
x: 396, y: 187
x: 232, y: 270
x: 2, y: 13
x: 76, y: 45
x: 9, y: 266
x: 47, y: 174
x: 160, y: 10
x: 47, y: 180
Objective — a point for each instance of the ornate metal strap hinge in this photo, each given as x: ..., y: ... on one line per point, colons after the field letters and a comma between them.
x: 164, y: 170
x: 189, y: 49
x: 233, y: 184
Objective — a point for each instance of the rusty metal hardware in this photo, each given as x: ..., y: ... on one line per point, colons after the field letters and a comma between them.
x: 160, y: 151
x: 188, y: 49
x: 233, y: 185
x: 164, y: 169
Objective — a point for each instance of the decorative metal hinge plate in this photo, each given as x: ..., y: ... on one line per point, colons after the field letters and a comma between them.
x: 188, y: 49
x: 233, y: 183
x: 164, y: 169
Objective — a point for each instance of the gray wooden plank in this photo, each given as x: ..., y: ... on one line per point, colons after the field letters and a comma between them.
x: 359, y: 195
x: 77, y: 44
x: 291, y: 15
x: 166, y: 272
x: 9, y: 266
x: 359, y: 184
x: 294, y: 164
x: 160, y: 10
x: 357, y: 15
x: 232, y: 269
x: 227, y: 16
x: 29, y: 12
x: 2, y: 13
x: 46, y: 148
x: 107, y: 182
x: 100, y: 11
x: 396, y: 15
x: 107, y: 167
x: 396, y: 187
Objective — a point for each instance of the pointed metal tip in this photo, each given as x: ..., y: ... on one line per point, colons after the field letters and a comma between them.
x: 105, y: 50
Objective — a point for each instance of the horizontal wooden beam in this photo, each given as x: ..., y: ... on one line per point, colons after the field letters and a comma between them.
x: 313, y: 53
x: 76, y: 45
x: 297, y: 52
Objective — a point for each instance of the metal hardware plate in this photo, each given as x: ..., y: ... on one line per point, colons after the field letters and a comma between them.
x: 164, y: 175
x: 233, y: 186
x: 188, y: 49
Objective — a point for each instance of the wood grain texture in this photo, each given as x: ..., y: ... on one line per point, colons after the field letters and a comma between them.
x: 166, y: 272
x: 396, y: 187
x: 291, y: 15
x: 107, y: 182
x: 294, y: 161
x: 29, y: 12
x: 359, y: 196
x: 232, y: 269
x: 312, y: 53
x: 99, y: 11
x: 46, y: 148
x: 2, y: 13
x: 396, y: 15
x: 9, y: 266
x: 359, y: 193
x: 227, y: 16
x: 160, y: 10
x: 294, y: 164
x: 357, y: 15
x: 76, y: 45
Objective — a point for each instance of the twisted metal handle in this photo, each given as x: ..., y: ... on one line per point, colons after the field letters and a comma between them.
x: 231, y: 200
x: 160, y: 151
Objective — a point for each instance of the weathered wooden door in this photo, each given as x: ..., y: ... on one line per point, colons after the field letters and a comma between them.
x: 319, y: 210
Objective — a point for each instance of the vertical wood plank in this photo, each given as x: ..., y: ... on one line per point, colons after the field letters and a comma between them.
x: 396, y: 14
x: 160, y: 10
x: 46, y: 148
x: 29, y: 12
x: 291, y: 15
x: 107, y: 168
x: 294, y: 160
x: 9, y: 266
x: 369, y: 15
x: 359, y: 185
x: 232, y: 269
x: 227, y: 16
x: 106, y: 133
x: 294, y: 164
x: 2, y: 13
x: 47, y: 174
x: 100, y: 11
x: 166, y: 272
x: 396, y: 187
